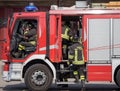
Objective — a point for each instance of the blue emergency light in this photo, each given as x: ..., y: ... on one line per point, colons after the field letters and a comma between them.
x: 31, y: 8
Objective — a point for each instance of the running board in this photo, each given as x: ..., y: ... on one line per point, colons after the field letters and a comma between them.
x: 69, y: 81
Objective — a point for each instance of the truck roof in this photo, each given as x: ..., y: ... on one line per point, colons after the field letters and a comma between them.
x: 83, y: 11
x: 31, y: 14
x: 77, y: 11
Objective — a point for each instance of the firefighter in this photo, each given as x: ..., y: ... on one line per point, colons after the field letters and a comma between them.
x: 29, y: 38
x: 65, y: 38
x: 66, y: 34
x: 76, y: 58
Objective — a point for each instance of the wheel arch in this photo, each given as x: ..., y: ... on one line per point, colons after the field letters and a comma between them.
x: 115, y: 73
x: 41, y: 60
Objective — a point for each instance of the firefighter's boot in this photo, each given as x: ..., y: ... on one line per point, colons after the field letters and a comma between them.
x: 83, y: 85
x: 76, y: 76
x: 82, y: 78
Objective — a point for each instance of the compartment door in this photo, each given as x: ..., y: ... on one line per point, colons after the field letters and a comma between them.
x: 99, y: 40
x: 116, y: 37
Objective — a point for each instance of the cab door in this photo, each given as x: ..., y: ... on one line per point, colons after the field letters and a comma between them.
x: 55, y: 38
x: 5, y: 39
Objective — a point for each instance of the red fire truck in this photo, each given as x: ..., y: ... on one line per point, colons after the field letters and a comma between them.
x: 100, y: 33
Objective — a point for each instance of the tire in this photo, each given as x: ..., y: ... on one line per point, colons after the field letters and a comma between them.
x: 117, y: 79
x: 38, y: 77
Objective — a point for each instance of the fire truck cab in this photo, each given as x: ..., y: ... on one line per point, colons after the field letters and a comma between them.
x: 43, y: 65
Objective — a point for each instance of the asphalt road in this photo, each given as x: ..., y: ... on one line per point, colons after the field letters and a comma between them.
x: 19, y: 86
x: 89, y: 87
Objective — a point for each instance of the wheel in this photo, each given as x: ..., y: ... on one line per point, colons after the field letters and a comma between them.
x: 38, y: 77
x: 117, y: 79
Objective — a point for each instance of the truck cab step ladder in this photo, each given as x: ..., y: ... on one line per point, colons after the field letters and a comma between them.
x: 69, y: 81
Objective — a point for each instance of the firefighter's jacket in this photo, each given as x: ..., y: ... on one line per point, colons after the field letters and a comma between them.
x: 65, y: 32
x: 75, y: 54
x: 29, y: 39
x: 31, y: 34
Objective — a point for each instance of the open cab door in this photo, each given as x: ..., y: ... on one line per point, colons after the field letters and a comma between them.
x: 55, y: 38
x: 6, y: 39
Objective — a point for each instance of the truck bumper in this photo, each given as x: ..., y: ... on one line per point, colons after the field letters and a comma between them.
x: 12, y: 71
x: 5, y: 76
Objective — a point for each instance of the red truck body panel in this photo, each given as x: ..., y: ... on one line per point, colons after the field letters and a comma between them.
x: 99, y: 73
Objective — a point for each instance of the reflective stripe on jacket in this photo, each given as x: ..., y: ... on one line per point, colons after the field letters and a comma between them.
x: 33, y: 42
x: 21, y: 47
x: 76, y: 54
x: 65, y: 32
x: 78, y: 58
